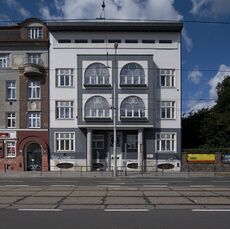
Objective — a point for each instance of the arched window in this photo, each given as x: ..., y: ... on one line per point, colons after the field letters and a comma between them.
x: 96, y: 74
x: 98, y: 107
x: 132, y: 107
x: 132, y: 74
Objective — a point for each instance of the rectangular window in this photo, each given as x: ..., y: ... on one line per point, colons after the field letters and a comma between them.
x: 10, y: 149
x: 34, y: 119
x: 34, y: 90
x: 98, y: 141
x: 64, y: 109
x: 81, y: 41
x: 11, y: 120
x: 11, y: 90
x: 64, y: 41
x: 34, y: 33
x: 64, y: 77
x: 98, y: 41
x: 166, y: 142
x: 131, y: 142
x: 131, y: 41
x: 148, y: 41
x: 167, y: 77
x: 167, y: 109
x: 165, y: 41
x: 114, y: 41
x: 65, y: 141
x: 4, y: 61
x: 34, y: 58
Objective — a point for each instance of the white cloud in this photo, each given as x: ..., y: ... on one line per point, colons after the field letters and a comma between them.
x: 14, y: 4
x: 187, y: 40
x: 195, y: 104
x: 24, y: 12
x: 210, y: 8
x: 195, y: 76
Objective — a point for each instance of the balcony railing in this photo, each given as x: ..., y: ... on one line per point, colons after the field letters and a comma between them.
x: 33, y: 67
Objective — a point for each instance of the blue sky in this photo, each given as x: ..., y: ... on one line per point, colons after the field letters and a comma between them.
x: 206, y: 46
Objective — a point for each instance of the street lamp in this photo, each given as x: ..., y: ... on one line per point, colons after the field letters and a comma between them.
x: 114, y: 114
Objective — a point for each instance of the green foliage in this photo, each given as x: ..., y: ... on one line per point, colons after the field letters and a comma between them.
x: 209, y: 128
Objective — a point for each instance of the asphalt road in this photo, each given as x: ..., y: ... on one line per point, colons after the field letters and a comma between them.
x: 101, y: 219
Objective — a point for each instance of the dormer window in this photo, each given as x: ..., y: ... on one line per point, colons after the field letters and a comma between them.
x: 34, y: 33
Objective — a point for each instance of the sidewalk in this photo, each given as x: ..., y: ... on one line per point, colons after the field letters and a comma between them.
x: 107, y: 174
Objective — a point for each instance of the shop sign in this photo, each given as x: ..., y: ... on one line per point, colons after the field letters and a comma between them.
x: 201, y: 158
x: 4, y: 135
x: 226, y: 158
x: 1, y: 149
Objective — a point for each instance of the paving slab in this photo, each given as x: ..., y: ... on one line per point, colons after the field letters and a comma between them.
x: 124, y: 193
x: 88, y: 193
x: 198, y: 193
x: 124, y: 200
x: 161, y: 193
x: 28, y: 188
x: 32, y: 206
x: 210, y: 200
x: 40, y: 200
x: 16, y: 193
x: 130, y: 206
x: 79, y: 206
x: 9, y: 200
x: 82, y: 200
x: 169, y: 200
x: 185, y: 188
x: 58, y: 188
x: 223, y: 193
x: 3, y: 206
x: 52, y: 193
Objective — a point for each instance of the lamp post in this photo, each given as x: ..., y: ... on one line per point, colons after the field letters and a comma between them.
x: 114, y: 114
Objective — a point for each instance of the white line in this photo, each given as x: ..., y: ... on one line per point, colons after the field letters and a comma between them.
x: 40, y: 209
x: 211, y: 210
x: 61, y: 181
x: 16, y: 185
x: 126, y: 210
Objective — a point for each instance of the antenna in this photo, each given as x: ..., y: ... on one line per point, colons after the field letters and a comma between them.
x: 102, y: 16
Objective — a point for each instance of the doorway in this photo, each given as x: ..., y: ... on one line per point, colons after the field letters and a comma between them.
x: 33, y: 157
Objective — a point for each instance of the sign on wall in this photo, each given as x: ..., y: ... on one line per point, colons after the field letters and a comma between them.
x: 225, y: 158
x: 201, y: 158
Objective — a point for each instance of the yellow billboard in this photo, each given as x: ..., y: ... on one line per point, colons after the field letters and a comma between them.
x: 201, y: 158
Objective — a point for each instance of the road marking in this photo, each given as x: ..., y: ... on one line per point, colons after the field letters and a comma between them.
x: 126, y: 210
x: 201, y: 186
x: 62, y: 185
x: 40, y: 209
x: 154, y: 186
x: 61, y: 181
x: 211, y: 210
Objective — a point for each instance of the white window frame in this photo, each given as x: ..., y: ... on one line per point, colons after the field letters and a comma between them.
x: 11, y: 89
x: 11, y: 119
x: 34, y: 89
x: 64, y: 109
x: 64, y: 143
x: 64, y: 77
x: 166, y: 142
x: 167, y: 109
x: 10, y: 149
x: 169, y: 78
x: 35, y: 32
x: 34, y: 119
x: 4, y: 60
x: 34, y: 58
x: 96, y: 139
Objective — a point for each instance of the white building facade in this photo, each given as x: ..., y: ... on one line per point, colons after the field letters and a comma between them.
x: 129, y: 71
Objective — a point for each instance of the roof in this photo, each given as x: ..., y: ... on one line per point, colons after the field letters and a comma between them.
x: 116, y: 26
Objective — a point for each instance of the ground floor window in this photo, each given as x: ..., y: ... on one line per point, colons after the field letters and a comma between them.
x: 10, y: 149
x: 131, y: 142
x: 166, y: 142
x: 98, y: 141
x: 65, y: 141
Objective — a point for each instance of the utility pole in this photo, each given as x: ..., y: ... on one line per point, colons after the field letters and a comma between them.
x: 114, y: 113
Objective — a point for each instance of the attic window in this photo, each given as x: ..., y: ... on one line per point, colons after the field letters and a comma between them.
x: 64, y: 41
x: 81, y: 41
x: 165, y: 41
x: 34, y: 33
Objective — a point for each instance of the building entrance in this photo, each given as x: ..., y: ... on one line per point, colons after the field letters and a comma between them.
x: 33, y: 155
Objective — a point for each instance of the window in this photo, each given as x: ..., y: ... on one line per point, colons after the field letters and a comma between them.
x: 97, y: 107
x: 148, y: 41
x: 4, y: 61
x: 96, y: 74
x: 131, y: 41
x: 34, y: 119
x: 98, y: 141
x: 81, y: 41
x: 34, y: 33
x: 34, y: 58
x: 165, y: 41
x: 64, y: 109
x: 166, y: 142
x: 11, y: 120
x: 131, y: 142
x: 11, y: 90
x: 132, y: 107
x: 10, y: 149
x: 114, y: 41
x: 34, y: 90
x: 132, y: 74
x: 98, y: 41
x: 65, y: 141
x: 64, y: 41
x: 167, y: 109
x: 167, y: 78
x: 64, y: 77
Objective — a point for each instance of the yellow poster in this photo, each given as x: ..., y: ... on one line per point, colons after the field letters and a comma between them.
x: 201, y: 158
